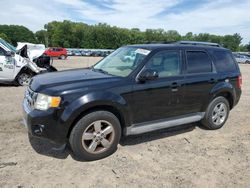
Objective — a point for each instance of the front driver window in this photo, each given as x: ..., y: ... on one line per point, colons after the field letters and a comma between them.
x: 2, y: 52
x: 166, y: 63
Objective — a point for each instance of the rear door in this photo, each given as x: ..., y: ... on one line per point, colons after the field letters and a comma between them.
x: 200, y: 77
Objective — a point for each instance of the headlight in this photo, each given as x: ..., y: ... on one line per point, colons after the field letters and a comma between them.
x: 44, y: 102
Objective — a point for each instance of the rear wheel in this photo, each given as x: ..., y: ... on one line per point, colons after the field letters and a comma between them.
x: 95, y: 136
x: 63, y: 57
x: 216, y: 114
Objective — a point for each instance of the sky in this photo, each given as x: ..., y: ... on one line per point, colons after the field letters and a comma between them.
x: 198, y: 16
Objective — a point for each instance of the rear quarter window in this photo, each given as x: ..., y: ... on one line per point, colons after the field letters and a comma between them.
x: 224, y: 61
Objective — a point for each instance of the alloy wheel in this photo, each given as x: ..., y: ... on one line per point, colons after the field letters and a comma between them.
x: 219, y: 113
x: 98, y: 137
x: 24, y: 79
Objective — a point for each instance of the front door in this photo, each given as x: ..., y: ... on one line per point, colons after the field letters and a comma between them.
x: 160, y: 98
x: 7, y: 66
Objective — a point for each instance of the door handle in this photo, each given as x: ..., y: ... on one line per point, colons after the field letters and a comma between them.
x: 174, y: 86
x: 212, y: 81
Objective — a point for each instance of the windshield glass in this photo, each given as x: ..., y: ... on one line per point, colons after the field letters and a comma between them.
x: 122, y: 61
x: 9, y: 46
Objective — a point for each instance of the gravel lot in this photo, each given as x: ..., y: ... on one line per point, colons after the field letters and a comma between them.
x: 187, y: 157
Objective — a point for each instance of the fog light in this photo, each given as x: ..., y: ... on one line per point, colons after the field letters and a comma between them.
x: 38, y: 129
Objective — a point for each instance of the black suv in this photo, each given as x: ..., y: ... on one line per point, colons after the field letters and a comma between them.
x: 162, y: 85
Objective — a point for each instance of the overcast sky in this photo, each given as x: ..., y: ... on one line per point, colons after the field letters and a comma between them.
x: 215, y: 17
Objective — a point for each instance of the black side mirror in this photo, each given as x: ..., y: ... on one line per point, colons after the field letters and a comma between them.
x: 148, y: 74
x: 10, y: 54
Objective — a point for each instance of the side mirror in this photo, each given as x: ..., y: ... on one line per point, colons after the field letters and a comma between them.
x: 148, y: 74
x: 10, y: 54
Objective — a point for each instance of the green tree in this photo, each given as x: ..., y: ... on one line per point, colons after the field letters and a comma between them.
x: 188, y: 36
x: 80, y: 35
x: 232, y: 41
x: 248, y: 47
x: 18, y: 33
x: 42, y: 37
x: 4, y: 37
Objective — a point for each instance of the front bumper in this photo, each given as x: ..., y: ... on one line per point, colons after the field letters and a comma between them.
x: 44, y: 124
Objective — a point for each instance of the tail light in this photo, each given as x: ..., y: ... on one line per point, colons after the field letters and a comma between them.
x: 239, y: 81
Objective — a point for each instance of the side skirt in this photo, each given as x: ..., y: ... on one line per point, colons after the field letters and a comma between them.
x: 163, y: 123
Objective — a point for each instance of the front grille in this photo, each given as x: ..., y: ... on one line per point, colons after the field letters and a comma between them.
x: 30, y: 97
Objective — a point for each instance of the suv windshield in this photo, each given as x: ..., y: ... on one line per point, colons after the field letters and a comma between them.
x: 122, y: 61
x: 7, y: 45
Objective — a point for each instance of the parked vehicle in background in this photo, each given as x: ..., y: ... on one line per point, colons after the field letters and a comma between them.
x: 70, y: 53
x: 165, y: 85
x: 18, y: 65
x: 248, y: 55
x: 95, y: 53
x: 242, y: 58
x: 77, y: 53
x: 86, y: 53
x: 104, y: 53
x: 60, y: 53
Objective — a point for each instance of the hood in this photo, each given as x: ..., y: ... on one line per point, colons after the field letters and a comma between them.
x: 33, y: 50
x: 63, y: 81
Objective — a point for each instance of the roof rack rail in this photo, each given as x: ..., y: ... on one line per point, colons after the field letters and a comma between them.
x: 185, y: 42
x: 199, y: 43
x: 160, y: 42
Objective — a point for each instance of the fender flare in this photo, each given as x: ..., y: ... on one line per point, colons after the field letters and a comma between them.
x: 25, y: 69
x: 223, y: 88
x: 94, y: 100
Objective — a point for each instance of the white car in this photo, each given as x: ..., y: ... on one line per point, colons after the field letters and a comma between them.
x: 240, y: 58
x: 16, y: 64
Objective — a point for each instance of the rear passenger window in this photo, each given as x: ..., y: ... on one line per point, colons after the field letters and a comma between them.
x: 198, y: 62
x: 224, y: 61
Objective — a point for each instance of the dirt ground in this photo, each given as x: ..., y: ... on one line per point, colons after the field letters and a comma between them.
x: 183, y: 157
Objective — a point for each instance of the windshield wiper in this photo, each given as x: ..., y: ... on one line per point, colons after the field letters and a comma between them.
x: 101, y: 70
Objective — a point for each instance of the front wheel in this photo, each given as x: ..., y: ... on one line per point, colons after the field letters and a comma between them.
x: 24, y: 79
x: 216, y: 114
x: 95, y: 136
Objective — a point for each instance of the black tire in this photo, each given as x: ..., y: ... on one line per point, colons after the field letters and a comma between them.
x: 62, y: 57
x: 78, y: 146
x: 247, y: 62
x: 208, y: 121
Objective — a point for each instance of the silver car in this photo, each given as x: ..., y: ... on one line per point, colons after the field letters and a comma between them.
x: 241, y: 58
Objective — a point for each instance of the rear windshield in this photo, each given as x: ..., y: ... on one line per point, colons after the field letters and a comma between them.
x: 224, y: 61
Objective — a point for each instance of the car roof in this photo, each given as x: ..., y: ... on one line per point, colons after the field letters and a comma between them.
x: 156, y: 46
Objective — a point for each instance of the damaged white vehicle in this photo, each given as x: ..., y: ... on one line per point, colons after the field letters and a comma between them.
x: 18, y: 65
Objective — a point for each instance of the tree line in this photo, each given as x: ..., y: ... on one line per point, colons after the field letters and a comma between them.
x: 80, y: 35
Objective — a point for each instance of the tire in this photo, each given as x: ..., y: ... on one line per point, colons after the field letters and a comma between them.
x: 24, y: 78
x: 247, y: 62
x: 92, y: 147
x: 216, y: 114
x: 62, y: 57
